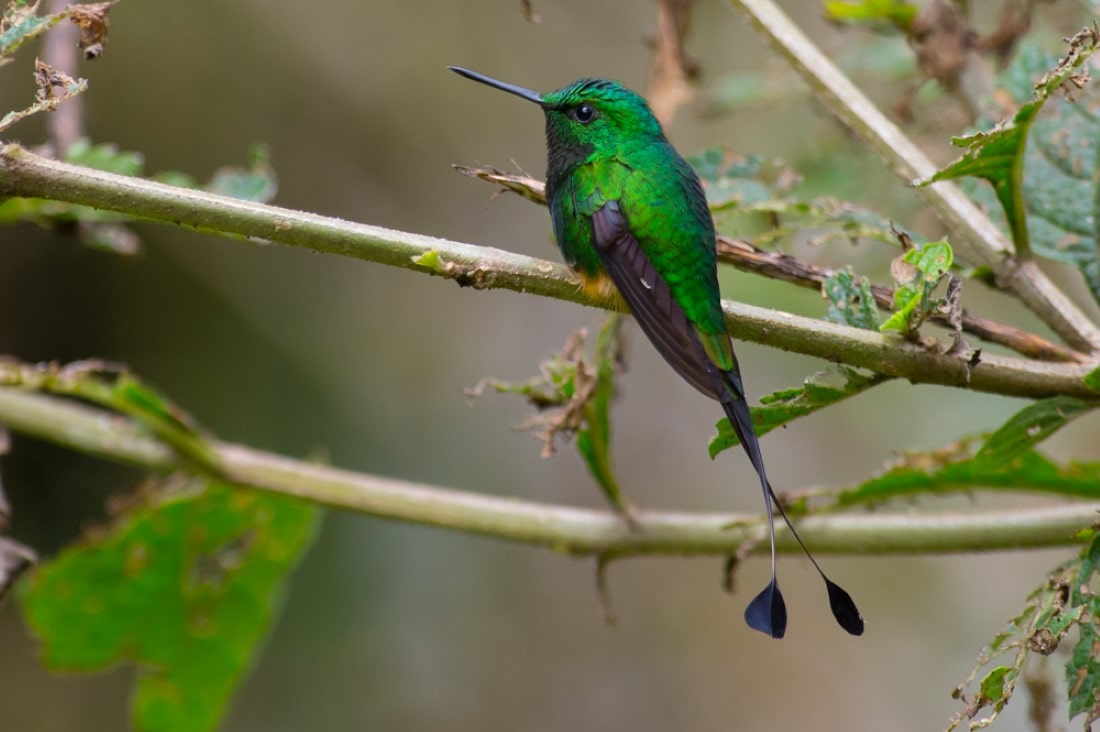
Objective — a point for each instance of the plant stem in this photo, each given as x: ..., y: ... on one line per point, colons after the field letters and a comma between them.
x: 571, y: 530
x: 981, y: 241
x: 23, y: 173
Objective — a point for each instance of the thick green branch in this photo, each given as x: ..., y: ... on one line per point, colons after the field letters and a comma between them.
x: 23, y: 173
x: 981, y: 241
x: 563, y: 528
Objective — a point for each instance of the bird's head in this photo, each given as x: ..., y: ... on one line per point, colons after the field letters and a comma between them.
x: 588, y: 117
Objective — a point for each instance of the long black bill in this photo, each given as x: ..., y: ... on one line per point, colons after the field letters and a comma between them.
x: 519, y: 91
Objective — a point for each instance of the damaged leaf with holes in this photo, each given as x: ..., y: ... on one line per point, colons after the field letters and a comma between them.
x: 1065, y: 601
x: 573, y: 395
x: 1006, y: 459
x: 850, y: 299
x: 917, y: 273
x: 185, y: 586
x: 777, y: 409
x: 20, y: 23
x: 1083, y: 667
x: 1040, y: 161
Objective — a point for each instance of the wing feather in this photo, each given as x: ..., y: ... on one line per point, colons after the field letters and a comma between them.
x: 650, y: 299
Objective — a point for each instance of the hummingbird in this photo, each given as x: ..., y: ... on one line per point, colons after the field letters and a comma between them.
x: 630, y: 216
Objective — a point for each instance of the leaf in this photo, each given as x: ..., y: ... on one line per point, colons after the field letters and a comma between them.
x: 1027, y: 428
x: 1092, y: 378
x: 91, y: 19
x: 1006, y: 459
x: 738, y: 180
x: 185, y: 586
x: 881, y: 13
x: 573, y: 397
x: 255, y: 183
x: 20, y: 23
x: 850, y: 302
x: 106, y: 229
x: 917, y: 273
x: 47, y: 79
x: 106, y: 157
x: 113, y: 387
x: 781, y: 407
x: 1083, y: 667
x: 996, y: 685
x: 997, y: 155
x: 594, y: 435
x: 1064, y: 601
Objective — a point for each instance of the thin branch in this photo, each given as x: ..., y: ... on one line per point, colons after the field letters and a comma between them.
x: 22, y: 173
x: 981, y: 241
x: 746, y: 256
x: 563, y: 528
x: 750, y: 258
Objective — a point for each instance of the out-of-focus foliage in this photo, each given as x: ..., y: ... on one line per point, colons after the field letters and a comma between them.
x: 185, y: 585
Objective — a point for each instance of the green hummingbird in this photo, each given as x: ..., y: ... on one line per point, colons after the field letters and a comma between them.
x: 630, y: 215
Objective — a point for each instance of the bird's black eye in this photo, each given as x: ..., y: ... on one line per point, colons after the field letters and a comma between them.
x: 584, y: 114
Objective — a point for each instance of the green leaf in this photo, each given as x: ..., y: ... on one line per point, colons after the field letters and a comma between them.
x: 781, y: 407
x: 998, y: 155
x: 734, y: 180
x: 594, y: 435
x: 850, y: 303
x: 1083, y: 667
x: 1064, y: 600
x: 1006, y: 460
x: 255, y: 183
x: 430, y: 260
x: 106, y: 229
x: 1092, y: 379
x: 951, y: 469
x: 880, y: 13
x: 185, y: 586
x: 917, y: 273
x: 111, y: 386
x: 995, y: 685
x: 21, y: 24
x: 106, y: 157
x: 1027, y: 428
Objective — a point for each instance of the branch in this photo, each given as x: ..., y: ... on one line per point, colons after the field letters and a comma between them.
x: 22, y: 173
x: 981, y: 241
x: 750, y: 258
x: 573, y: 530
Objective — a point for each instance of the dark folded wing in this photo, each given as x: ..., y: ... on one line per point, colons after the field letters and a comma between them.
x: 649, y: 298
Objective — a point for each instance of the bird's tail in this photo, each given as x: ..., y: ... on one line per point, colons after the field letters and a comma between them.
x: 767, y: 612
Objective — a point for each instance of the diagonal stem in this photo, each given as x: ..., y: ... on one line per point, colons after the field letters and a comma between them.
x: 981, y: 241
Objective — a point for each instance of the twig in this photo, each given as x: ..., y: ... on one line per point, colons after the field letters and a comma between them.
x: 23, y: 173
x: 745, y: 256
x: 575, y: 530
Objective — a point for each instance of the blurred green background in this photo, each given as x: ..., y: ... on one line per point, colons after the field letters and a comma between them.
x: 389, y: 626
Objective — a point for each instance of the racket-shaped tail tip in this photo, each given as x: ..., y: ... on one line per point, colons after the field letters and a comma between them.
x: 768, y: 613
x: 844, y: 608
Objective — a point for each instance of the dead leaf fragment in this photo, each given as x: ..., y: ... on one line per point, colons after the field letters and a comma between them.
x: 92, y: 21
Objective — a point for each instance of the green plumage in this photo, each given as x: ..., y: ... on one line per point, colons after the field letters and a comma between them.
x: 627, y: 208
x: 622, y: 155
